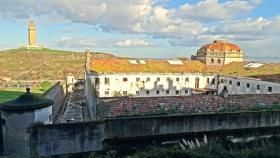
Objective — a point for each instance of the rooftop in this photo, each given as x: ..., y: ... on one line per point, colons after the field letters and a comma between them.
x: 146, y: 66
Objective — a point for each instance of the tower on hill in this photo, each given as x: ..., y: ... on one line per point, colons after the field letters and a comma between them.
x: 31, y: 34
x: 32, y: 37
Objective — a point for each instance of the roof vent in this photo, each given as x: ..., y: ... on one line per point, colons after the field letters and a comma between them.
x: 253, y: 65
x: 175, y: 62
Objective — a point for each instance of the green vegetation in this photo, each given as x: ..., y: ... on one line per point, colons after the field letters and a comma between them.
x: 7, y: 94
x: 43, y: 64
x: 260, y: 148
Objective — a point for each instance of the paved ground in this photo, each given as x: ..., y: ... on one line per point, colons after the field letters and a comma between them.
x: 75, y: 109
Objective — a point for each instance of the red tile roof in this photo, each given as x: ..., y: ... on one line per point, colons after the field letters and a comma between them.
x: 221, y: 46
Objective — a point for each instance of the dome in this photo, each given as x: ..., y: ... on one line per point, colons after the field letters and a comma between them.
x: 220, y: 46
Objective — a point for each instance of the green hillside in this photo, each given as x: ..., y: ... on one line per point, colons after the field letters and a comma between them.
x: 43, y: 64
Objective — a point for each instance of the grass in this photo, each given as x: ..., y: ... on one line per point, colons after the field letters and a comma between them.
x: 43, y: 64
x: 7, y: 94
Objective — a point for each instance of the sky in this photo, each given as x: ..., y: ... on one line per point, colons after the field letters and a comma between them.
x: 143, y: 28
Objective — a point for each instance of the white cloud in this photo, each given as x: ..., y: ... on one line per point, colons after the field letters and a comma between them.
x: 186, y: 25
x: 134, y: 43
x: 207, y: 10
x: 84, y: 43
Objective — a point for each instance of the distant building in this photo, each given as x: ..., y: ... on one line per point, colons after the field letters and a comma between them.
x: 159, y: 78
x: 32, y: 37
x: 219, y: 53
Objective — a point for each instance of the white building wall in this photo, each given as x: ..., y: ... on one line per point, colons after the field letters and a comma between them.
x: 149, y: 82
x: 233, y: 86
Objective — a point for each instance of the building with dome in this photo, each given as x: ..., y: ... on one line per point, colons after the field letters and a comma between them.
x: 219, y: 53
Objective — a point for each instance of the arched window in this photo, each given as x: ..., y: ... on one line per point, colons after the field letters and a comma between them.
x: 212, y: 60
x: 219, y: 61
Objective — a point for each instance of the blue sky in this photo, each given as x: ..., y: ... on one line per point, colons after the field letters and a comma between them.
x: 143, y: 28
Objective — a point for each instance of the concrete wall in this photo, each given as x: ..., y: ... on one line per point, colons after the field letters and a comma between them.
x: 90, y: 136
x: 66, y: 138
x: 57, y: 93
x: 91, y: 99
x: 172, y: 125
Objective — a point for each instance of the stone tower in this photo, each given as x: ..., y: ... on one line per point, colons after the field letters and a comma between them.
x: 31, y: 34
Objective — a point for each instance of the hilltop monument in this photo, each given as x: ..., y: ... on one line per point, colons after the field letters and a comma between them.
x: 32, y: 37
x: 31, y: 34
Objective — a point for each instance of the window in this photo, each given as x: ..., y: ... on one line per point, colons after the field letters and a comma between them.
x: 177, y: 79
x: 222, y: 80
x: 148, y: 79
x: 213, y: 81
x: 157, y: 92
x: 97, y: 81
x: 158, y: 79
x: 147, y: 92
x: 238, y: 84
x: 208, y: 80
x: 219, y: 61
x: 248, y: 85
x: 177, y: 91
x: 107, y: 92
x: 187, y: 79
x: 124, y: 92
x: 269, y: 89
x: 137, y: 92
x: 107, y: 81
x: 186, y: 91
x: 230, y: 82
x: 167, y: 91
x: 212, y: 61
x: 125, y: 79
x: 258, y: 87
x: 137, y: 79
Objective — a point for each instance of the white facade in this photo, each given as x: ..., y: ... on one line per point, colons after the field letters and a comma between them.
x: 148, y: 84
x: 244, y: 85
x: 175, y: 84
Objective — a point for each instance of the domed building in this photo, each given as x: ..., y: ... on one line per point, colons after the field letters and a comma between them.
x: 219, y: 53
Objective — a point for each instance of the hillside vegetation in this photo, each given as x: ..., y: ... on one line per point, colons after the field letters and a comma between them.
x: 43, y: 64
x: 46, y: 64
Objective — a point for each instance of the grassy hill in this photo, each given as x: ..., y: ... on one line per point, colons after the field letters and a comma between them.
x: 43, y: 64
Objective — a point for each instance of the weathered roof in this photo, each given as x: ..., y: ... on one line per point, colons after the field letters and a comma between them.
x: 218, y: 45
x: 150, y: 66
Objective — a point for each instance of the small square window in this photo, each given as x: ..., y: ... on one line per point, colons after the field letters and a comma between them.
x: 137, y: 92
x: 222, y: 80
x: 148, y: 79
x: 125, y: 93
x: 107, y: 81
x: 148, y: 92
x: 187, y: 79
x: 186, y: 91
x: 269, y: 89
x: 97, y: 80
x: 137, y: 79
x: 230, y: 82
x: 248, y: 85
x: 124, y: 79
x: 107, y: 92
x: 167, y: 91
x: 238, y: 84
x: 258, y: 87
x: 177, y: 79
x: 157, y: 92
x: 158, y: 79
x: 177, y: 91
x: 208, y: 80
